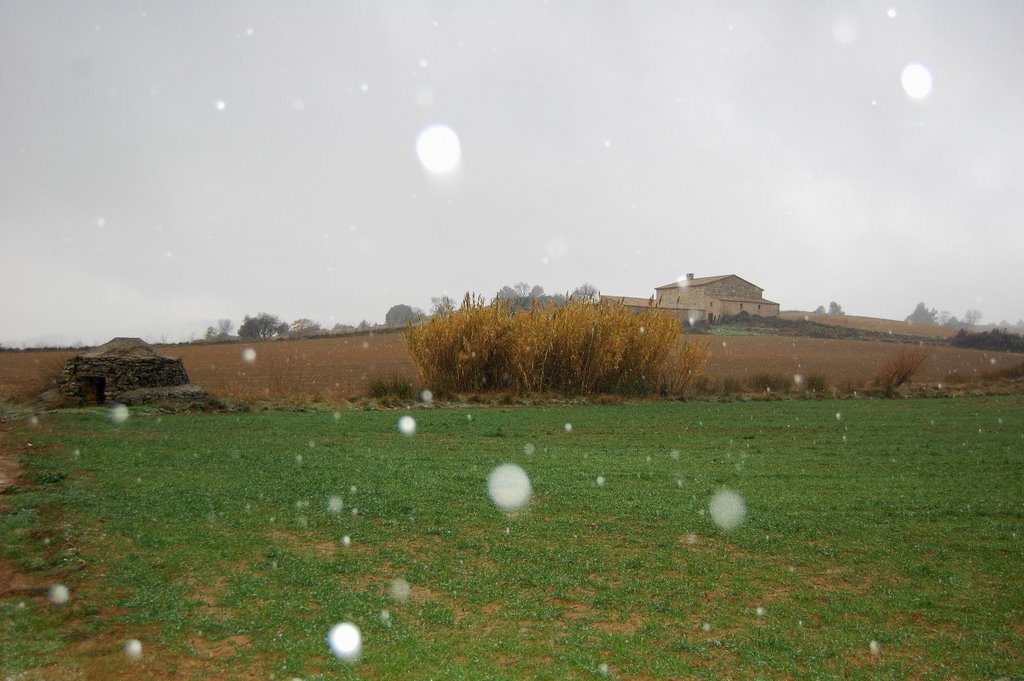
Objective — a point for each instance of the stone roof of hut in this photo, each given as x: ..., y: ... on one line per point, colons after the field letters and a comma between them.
x: 124, y: 348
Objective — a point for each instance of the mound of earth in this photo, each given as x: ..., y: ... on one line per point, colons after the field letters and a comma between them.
x: 189, y: 392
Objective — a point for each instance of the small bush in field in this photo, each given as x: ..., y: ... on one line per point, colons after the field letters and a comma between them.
x: 766, y: 382
x: 393, y: 386
x: 956, y: 378
x: 1010, y: 372
x: 731, y: 385
x: 900, y: 369
x: 579, y: 349
x: 816, y: 383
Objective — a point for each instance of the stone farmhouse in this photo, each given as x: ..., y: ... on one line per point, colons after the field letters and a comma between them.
x: 706, y: 299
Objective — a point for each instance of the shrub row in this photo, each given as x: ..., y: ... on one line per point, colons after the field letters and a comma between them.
x: 996, y: 339
x: 579, y: 349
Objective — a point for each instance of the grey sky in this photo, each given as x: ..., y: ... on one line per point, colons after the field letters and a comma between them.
x: 621, y: 144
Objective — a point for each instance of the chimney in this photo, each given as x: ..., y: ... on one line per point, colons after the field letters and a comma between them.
x: 689, y: 276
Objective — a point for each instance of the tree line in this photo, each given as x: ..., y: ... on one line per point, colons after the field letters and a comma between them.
x: 266, y: 326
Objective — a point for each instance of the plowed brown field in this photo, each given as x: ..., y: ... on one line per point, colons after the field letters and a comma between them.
x: 339, y: 368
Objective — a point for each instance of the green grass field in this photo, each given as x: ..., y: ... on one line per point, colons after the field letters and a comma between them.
x: 210, y: 539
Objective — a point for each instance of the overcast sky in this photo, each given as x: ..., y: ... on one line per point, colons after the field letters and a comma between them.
x: 167, y: 164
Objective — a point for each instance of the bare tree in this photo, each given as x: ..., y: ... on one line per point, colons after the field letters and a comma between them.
x: 302, y: 328
x: 972, y: 317
x: 900, y: 369
x: 585, y: 292
x: 441, y: 307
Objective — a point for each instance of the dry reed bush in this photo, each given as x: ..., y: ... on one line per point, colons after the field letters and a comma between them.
x: 900, y: 369
x: 579, y: 349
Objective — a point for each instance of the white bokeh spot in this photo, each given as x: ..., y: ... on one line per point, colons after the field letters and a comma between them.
x: 407, y: 426
x: 509, y: 487
x: 345, y: 641
x: 917, y: 81
x: 439, y: 149
x: 727, y: 510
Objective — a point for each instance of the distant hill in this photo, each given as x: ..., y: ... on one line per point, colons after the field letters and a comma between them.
x: 886, y: 326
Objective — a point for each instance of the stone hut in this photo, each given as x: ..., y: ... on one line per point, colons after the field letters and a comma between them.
x: 126, y: 370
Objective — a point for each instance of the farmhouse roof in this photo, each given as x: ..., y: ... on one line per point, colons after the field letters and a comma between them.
x: 125, y: 348
x: 629, y: 300
x: 702, y: 281
x: 759, y: 301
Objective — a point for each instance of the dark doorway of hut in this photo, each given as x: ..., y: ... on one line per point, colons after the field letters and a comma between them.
x: 94, y: 389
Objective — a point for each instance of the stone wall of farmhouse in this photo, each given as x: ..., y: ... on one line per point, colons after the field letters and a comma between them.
x: 683, y: 296
x: 103, y: 379
x: 733, y: 307
x: 687, y: 316
x: 733, y: 287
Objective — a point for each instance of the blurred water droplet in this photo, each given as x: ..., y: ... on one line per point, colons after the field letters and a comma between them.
x: 346, y: 541
x: 674, y: 454
x: 509, y: 487
x: 298, y: 458
x: 529, y: 449
x: 600, y: 480
x: 603, y: 669
x: 845, y: 31
x: 58, y: 594
x: 892, y: 13
x: 345, y: 641
x: 438, y: 149
x: 706, y: 626
x: 427, y: 397
x: 249, y: 355
x: 407, y: 425
x: 875, y: 648
x: 917, y: 81
x: 385, y: 618
x: 759, y: 611
x: 400, y: 590
x: 335, y: 504
x: 119, y: 413
x: 839, y: 416
x: 133, y: 648
x: 568, y: 427
x: 220, y: 105
x: 728, y: 510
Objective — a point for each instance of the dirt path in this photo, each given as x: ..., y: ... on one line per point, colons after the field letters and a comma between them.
x: 13, y: 584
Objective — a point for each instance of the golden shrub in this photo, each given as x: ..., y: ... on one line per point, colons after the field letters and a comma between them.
x: 579, y: 349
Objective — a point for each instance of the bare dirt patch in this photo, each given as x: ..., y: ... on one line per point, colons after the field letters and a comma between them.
x: 841, y: 361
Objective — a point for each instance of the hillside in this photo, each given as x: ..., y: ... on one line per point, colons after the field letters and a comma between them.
x: 873, y: 324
